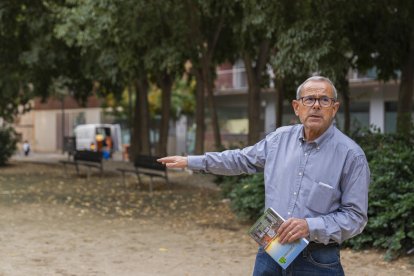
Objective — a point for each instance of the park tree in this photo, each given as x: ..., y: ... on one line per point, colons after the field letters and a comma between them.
x: 129, y: 43
x: 14, y: 88
x: 32, y: 63
x: 32, y: 59
x: 110, y: 45
x: 208, y: 42
x: 255, y: 30
x: 258, y: 29
x: 366, y: 42
x: 326, y: 39
x: 391, y: 44
x: 166, y: 58
x: 353, y: 37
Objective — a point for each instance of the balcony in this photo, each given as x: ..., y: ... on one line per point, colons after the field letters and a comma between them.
x: 231, y: 80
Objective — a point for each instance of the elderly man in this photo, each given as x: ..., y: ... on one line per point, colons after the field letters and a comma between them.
x: 315, y: 177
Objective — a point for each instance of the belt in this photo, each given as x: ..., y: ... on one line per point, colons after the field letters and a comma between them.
x: 316, y: 245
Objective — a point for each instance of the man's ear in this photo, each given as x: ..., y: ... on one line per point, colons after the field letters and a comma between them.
x: 336, y: 107
x: 295, y: 105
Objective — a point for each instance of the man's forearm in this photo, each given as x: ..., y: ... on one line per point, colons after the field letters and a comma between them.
x: 338, y: 226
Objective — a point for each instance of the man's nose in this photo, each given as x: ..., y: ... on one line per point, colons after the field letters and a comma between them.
x: 316, y: 105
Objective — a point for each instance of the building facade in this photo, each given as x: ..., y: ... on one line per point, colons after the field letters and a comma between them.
x: 46, y: 125
x: 372, y: 104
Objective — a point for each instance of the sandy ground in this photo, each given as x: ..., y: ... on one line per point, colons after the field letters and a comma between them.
x: 52, y: 225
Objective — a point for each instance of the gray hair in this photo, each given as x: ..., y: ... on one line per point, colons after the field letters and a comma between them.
x: 317, y: 78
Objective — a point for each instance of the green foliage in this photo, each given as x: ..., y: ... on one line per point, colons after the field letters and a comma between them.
x: 391, y: 196
x: 182, y: 98
x: 8, y: 143
x: 246, y: 194
x: 14, y: 89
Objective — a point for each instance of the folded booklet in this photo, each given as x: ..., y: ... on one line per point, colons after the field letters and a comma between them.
x: 264, y: 232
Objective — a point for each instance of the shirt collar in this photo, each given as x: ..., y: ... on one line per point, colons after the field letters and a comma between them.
x: 321, y: 139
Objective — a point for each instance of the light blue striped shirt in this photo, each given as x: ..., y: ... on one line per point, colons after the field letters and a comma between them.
x: 324, y: 181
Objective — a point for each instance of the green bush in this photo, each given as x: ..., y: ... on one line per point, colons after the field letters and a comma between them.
x: 246, y: 194
x: 391, y: 194
x: 8, y: 144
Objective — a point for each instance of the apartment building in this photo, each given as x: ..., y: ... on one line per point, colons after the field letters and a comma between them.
x: 373, y: 103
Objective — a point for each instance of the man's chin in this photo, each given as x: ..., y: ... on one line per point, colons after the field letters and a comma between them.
x: 315, y: 121
x: 314, y: 125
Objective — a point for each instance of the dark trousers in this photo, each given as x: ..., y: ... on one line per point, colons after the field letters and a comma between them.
x: 316, y: 259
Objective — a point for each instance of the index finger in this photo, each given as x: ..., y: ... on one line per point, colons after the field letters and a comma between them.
x: 167, y: 159
x: 284, y: 225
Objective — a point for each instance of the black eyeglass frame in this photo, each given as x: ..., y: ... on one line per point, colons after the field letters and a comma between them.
x: 314, y: 99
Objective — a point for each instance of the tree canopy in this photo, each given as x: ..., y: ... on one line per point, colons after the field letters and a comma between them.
x: 82, y: 46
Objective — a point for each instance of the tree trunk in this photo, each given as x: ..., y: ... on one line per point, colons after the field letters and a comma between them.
x: 280, y: 90
x: 344, y: 88
x: 254, y: 74
x: 208, y: 82
x: 135, y: 146
x: 130, y: 108
x: 253, y: 101
x: 140, y: 141
x: 165, y: 83
x: 405, y: 95
x: 205, y: 46
x: 200, y: 125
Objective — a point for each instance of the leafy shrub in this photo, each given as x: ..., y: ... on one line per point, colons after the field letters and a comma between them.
x: 391, y: 194
x: 8, y: 144
x: 246, y: 194
x: 228, y: 183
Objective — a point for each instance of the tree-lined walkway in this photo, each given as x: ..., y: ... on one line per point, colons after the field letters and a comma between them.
x: 52, y: 225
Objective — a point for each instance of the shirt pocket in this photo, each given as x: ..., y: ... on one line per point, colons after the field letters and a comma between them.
x: 320, y: 197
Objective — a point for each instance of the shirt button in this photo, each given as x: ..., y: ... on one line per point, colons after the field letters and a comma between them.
x: 306, y: 154
x: 288, y: 213
x: 300, y: 173
x: 318, y: 148
x: 294, y: 193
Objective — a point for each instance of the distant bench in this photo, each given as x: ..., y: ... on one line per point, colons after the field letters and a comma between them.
x: 149, y: 166
x: 89, y: 159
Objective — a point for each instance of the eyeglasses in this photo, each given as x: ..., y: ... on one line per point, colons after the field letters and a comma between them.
x: 323, y: 101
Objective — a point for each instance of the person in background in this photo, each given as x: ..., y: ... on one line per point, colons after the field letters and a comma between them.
x: 26, y: 148
x: 316, y: 177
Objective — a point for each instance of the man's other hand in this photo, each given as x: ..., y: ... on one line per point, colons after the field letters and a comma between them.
x: 177, y: 162
x: 293, y: 229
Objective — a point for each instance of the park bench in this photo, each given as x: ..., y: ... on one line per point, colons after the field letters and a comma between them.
x: 146, y: 165
x: 88, y: 159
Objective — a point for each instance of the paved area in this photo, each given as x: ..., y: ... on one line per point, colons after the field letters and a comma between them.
x: 112, y: 165
x: 54, y: 157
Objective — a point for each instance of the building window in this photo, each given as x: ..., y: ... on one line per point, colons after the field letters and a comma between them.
x: 239, y: 75
x: 390, y: 124
x: 359, y: 112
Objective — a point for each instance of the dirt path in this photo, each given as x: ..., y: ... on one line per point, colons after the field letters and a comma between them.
x: 50, y: 225
x: 60, y: 241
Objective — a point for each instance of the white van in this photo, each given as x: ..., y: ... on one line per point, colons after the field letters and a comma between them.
x: 98, y: 137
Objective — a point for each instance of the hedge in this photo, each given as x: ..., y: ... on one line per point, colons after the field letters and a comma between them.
x: 8, y: 142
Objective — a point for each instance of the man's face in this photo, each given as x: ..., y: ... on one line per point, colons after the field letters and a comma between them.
x: 316, y: 119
